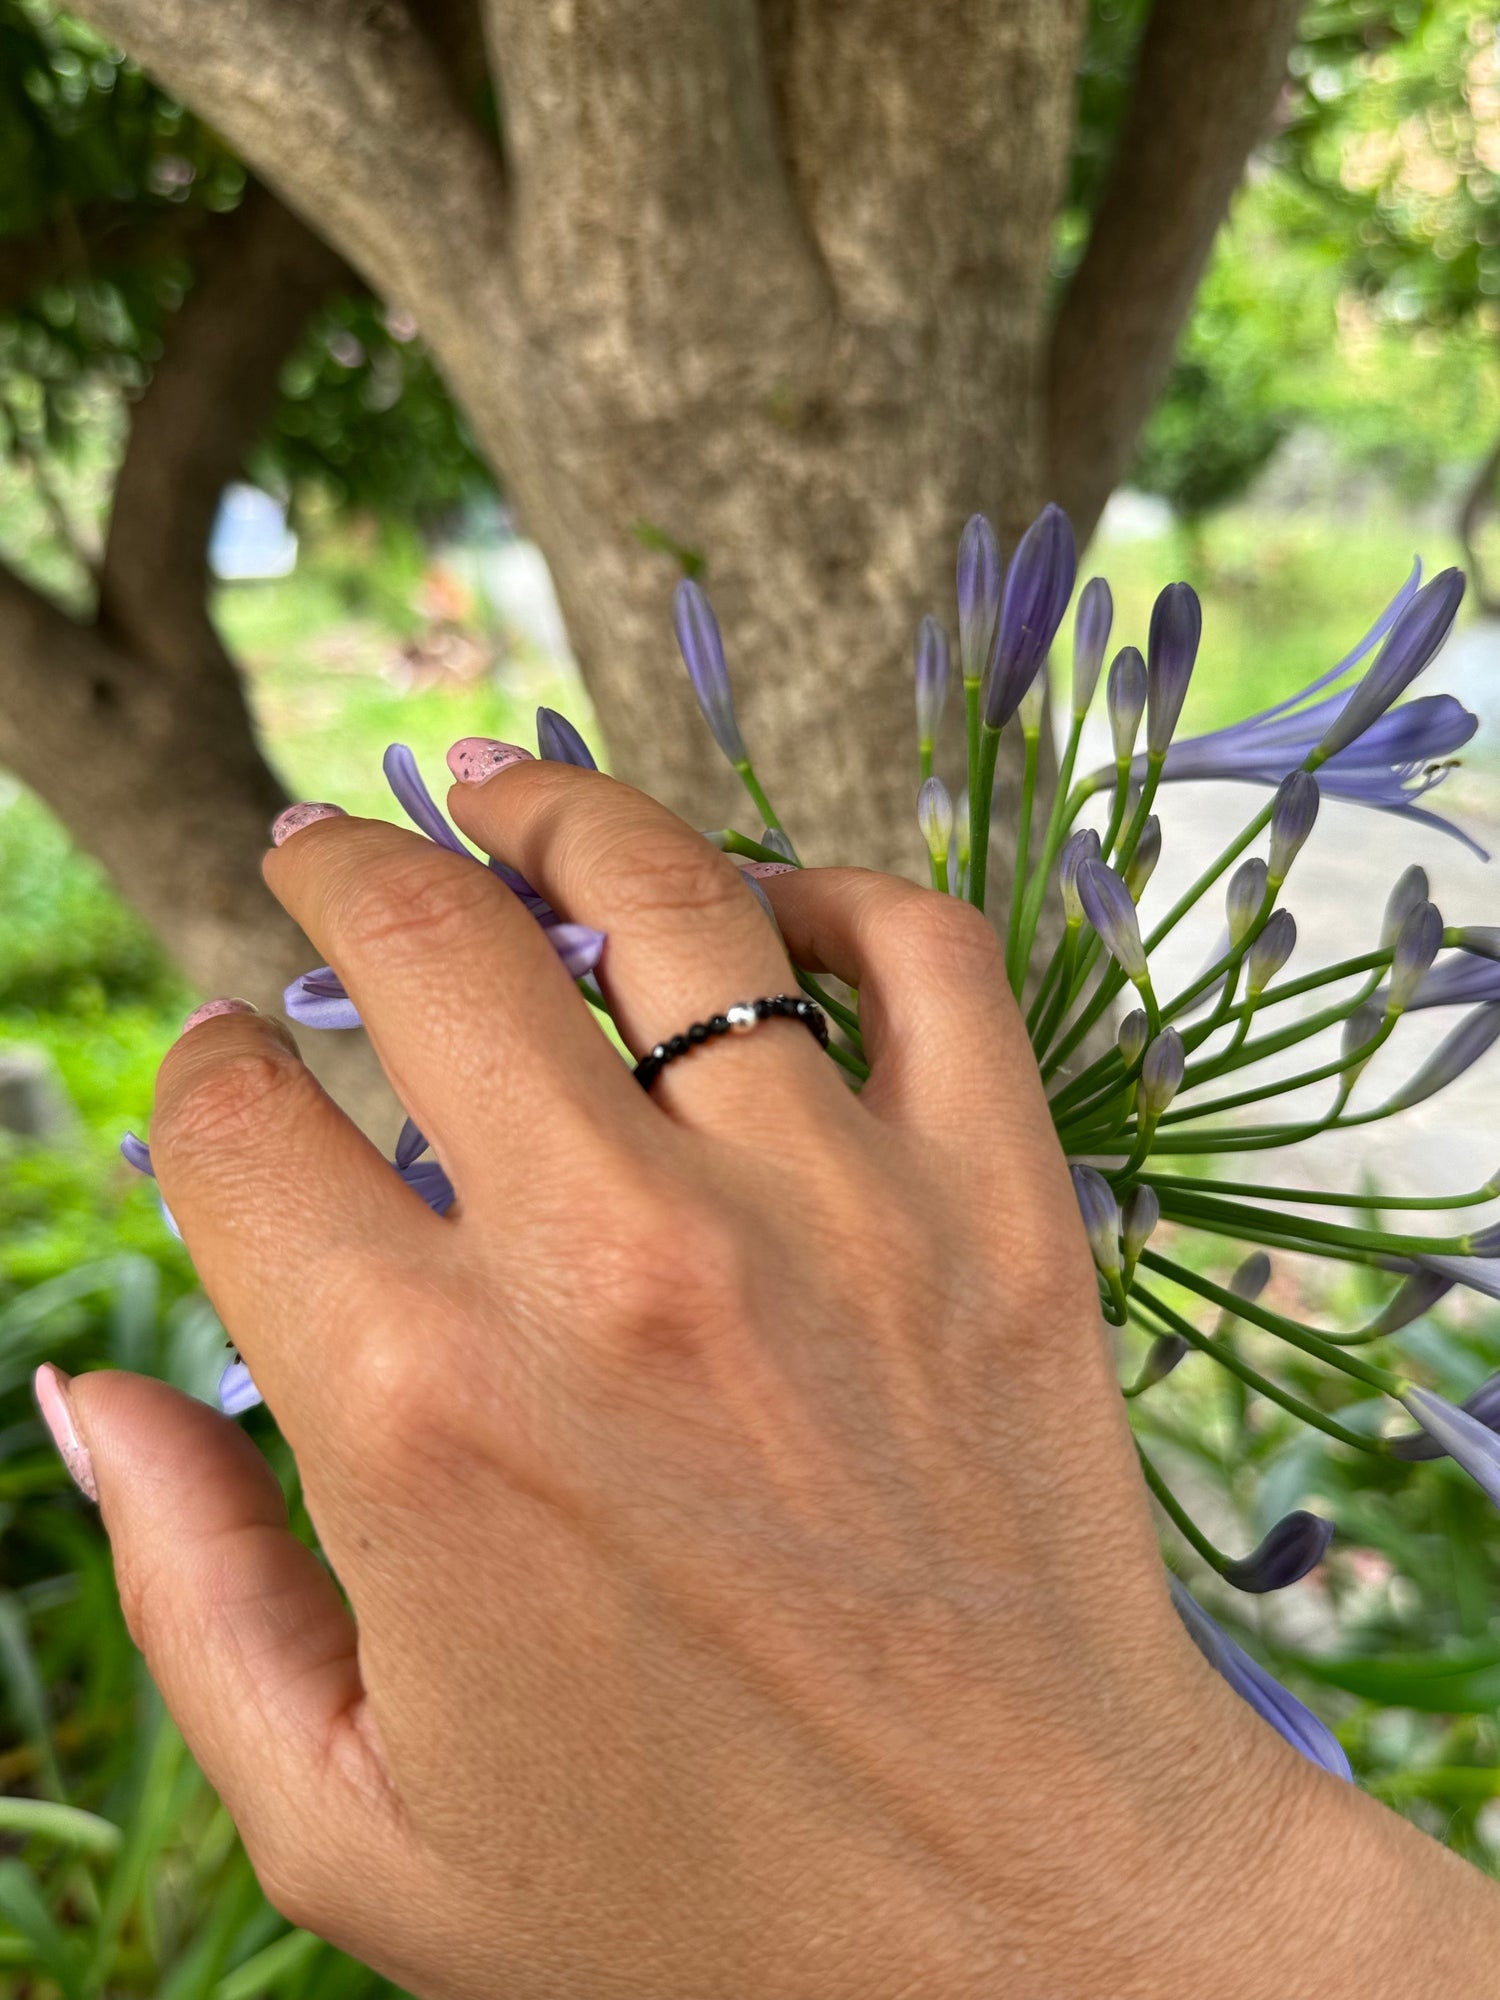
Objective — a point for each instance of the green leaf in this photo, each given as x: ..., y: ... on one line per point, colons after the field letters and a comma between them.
x: 22, y: 1905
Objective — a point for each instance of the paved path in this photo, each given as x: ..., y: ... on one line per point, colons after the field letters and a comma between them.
x: 1337, y: 892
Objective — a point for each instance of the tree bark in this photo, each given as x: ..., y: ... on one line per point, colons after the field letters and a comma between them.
x: 1207, y: 80
x: 135, y: 728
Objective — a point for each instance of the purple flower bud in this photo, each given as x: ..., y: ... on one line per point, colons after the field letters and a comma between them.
x: 1142, y: 864
x: 1096, y: 613
x: 1037, y: 588
x: 1162, y: 1357
x: 558, y: 742
x: 1464, y: 1437
x: 1486, y: 1242
x: 318, y: 1000
x: 1107, y: 905
x: 1171, y: 649
x: 579, y: 947
x: 411, y: 1144
x: 1134, y: 1034
x: 1418, y: 943
x: 1161, y: 1074
x: 1271, y: 949
x: 935, y: 817
x: 703, y: 651
x: 1245, y: 897
x: 1416, y: 636
x: 1359, y: 1031
x: 778, y: 842
x: 136, y: 1153
x: 1416, y: 1295
x: 1474, y: 1036
x: 980, y: 568
x: 1483, y: 1406
x: 1076, y: 849
x: 1251, y: 1277
x: 1297, y: 1544
x: 1125, y: 698
x: 1250, y: 1681
x: 1138, y: 1219
x: 1483, y: 940
x: 1101, y: 1217
x: 427, y: 1179
x: 237, y: 1391
x: 932, y: 678
x: 1293, y: 814
x: 412, y: 795
x: 1410, y: 890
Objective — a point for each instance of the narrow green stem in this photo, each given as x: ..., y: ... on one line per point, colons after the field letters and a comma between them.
x: 731, y: 842
x: 1207, y: 879
x: 1186, y: 1526
x: 981, y: 800
x: 845, y: 1058
x: 1014, y: 964
x: 847, y: 1019
x: 1260, y: 1191
x: 762, y: 804
x: 1246, y: 1222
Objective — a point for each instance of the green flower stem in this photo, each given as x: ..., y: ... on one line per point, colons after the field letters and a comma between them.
x: 856, y: 1065
x: 1227, y: 1359
x: 1256, y: 1191
x: 847, y: 1019
x: 1283, y: 1085
x: 1143, y: 805
x: 971, y: 757
x: 731, y: 842
x: 762, y: 804
x: 1186, y: 1526
x: 937, y: 871
x: 1109, y: 986
x: 981, y: 802
x: 924, y: 759
x: 1207, y: 879
x: 1063, y: 959
x: 1289, y: 1330
x: 1015, y: 964
x: 1068, y: 801
x: 1245, y: 1221
x: 1117, y: 808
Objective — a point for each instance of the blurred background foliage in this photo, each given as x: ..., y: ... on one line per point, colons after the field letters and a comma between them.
x: 1336, y: 399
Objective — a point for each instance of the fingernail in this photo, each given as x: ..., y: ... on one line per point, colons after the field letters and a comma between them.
x: 295, y: 818
x: 475, y: 758
x: 212, y: 1009
x: 50, y: 1386
x: 761, y: 869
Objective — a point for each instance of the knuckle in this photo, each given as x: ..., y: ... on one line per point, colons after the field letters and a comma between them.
x: 672, y: 880
x: 943, y: 934
x: 676, y: 1280
x: 230, y: 1098
x: 421, y: 903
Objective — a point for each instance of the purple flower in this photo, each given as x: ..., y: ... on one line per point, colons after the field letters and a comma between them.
x: 560, y: 743
x: 237, y: 1390
x: 1462, y: 980
x: 1079, y: 847
x: 935, y: 817
x: 1465, y: 1438
x: 1101, y: 1217
x: 932, y: 672
x: 1162, y: 1357
x: 1390, y: 765
x: 1037, y: 588
x: 1418, y: 943
x: 1142, y: 864
x: 1415, y: 639
x: 1244, y: 897
x: 1134, y: 1033
x: 1107, y: 905
x: 1250, y: 1681
x: 1295, y: 1545
x: 703, y: 651
x: 1271, y: 950
x: 1293, y: 816
x: 1125, y: 698
x: 136, y: 1153
x: 1480, y: 1274
x: 1162, y: 1068
x: 318, y: 1000
x: 1138, y: 1219
x: 1483, y: 1406
x: 1091, y: 625
x: 1408, y: 892
x: 1171, y: 649
x: 405, y: 780
x: 1474, y: 1036
x: 980, y: 568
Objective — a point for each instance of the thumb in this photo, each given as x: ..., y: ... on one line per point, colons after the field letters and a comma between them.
x: 243, y: 1629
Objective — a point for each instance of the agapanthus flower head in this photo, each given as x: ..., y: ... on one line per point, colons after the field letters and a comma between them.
x: 1038, y: 586
x: 1142, y: 864
x: 1244, y: 897
x: 1091, y: 628
x: 1108, y: 907
x: 1295, y: 1545
x: 1125, y: 699
x: 558, y: 742
x: 702, y: 649
x: 981, y: 570
x: 933, y: 672
x: 1171, y: 650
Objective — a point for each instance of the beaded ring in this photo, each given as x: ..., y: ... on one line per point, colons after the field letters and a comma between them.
x: 740, y: 1019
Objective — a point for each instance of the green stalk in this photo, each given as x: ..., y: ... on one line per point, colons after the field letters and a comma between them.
x: 731, y: 842
x: 981, y: 803
x: 1207, y: 879
x: 1283, y: 1085
x: 1014, y: 964
x: 762, y: 804
x: 1254, y: 1191
x: 1066, y: 805
x: 847, y: 1019
x: 1246, y: 1221
x: 1186, y: 1526
x: 855, y: 1065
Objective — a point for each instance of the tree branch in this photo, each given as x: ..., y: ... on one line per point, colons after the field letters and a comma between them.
x: 95, y: 240
x: 344, y: 107
x: 260, y: 273
x: 1206, y: 83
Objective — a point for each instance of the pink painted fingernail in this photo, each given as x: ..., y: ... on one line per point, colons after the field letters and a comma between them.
x: 761, y: 869
x: 295, y: 818
x: 212, y: 1009
x: 53, y: 1400
x: 475, y: 758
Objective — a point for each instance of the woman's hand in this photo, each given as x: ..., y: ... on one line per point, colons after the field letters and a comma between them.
x: 750, y: 1586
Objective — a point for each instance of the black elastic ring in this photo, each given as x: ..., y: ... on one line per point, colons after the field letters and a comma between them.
x: 740, y: 1019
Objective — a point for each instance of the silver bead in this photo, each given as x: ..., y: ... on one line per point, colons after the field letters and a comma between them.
x: 741, y: 1018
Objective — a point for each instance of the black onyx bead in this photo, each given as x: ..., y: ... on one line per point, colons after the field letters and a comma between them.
x: 763, y: 1008
x: 718, y: 1025
x: 678, y: 1046
x: 697, y: 1033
